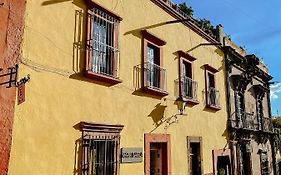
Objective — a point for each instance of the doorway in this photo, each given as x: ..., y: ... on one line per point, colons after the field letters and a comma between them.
x: 158, y: 158
x: 223, y: 165
x: 245, y: 159
x: 222, y: 162
x: 157, y: 154
x: 195, y: 155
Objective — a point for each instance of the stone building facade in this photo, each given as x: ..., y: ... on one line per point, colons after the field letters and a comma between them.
x: 249, y: 122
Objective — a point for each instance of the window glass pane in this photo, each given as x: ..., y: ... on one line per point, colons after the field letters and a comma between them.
x: 187, y: 72
x: 150, y: 54
x: 211, y: 80
x: 104, y: 51
x: 152, y: 69
x: 101, y: 157
x: 99, y: 46
x: 153, y: 54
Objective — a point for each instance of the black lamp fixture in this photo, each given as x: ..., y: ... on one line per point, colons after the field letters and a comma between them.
x: 181, y: 103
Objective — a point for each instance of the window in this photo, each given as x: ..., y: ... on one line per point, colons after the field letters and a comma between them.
x: 101, y: 151
x: 152, y: 66
x: 102, y: 57
x: 264, y: 164
x: 260, y: 113
x: 264, y: 123
x: 244, y: 158
x: 188, y: 86
x: 240, y: 108
x: 154, y: 75
x: 212, y: 94
x: 222, y: 161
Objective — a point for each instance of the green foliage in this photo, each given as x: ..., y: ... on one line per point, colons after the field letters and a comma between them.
x: 204, y: 24
x: 186, y: 9
x: 277, y: 123
x: 277, y: 128
x: 207, y: 27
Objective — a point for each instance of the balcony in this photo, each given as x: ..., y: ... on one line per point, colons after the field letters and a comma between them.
x: 267, y: 124
x: 249, y: 121
x: 213, y: 96
x: 103, y: 63
x: 151, y: 78
x: 189, y: 89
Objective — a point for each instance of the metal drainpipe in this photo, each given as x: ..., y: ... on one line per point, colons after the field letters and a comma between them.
x: 231, y: 142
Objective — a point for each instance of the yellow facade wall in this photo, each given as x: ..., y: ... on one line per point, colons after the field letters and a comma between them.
x: 58, y: 97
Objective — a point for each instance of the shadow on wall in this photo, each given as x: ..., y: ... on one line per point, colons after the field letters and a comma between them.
x: 78, y: 153
x: 159, y: 118
x: 157, y: 114
x: 79, y: 40
x: 79, y: 32
x: 51, y: 2
x: 77, y: 169
x: 79, y: 46
x: 136, y: 32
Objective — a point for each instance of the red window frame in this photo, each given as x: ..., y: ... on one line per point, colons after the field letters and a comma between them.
x: 157, y: 138
x: 216, y: 154
x: 185, y: 57
x: 114, y: 79
x: 150, y: 39
x: 210, y: 70
x: 100, y: 131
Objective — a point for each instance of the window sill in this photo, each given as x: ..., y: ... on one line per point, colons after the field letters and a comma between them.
x: 192, y: 101
x: 213, y: 107
x: 156, y: 92
x: 102, y: 78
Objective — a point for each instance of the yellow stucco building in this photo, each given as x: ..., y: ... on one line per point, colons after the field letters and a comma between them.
x: 104, y: 90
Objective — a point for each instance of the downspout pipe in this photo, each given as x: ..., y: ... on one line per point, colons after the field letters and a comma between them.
x: 228, y: 102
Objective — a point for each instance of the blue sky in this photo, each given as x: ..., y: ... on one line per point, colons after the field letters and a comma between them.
x: 253, y: 24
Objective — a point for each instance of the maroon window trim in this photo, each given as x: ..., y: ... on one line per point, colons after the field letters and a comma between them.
x: 90, y: 129
x: 157, y: 138
x: 91, y: 4
x: 149, y: 38
x: 185, y: 57
x: 112, y: 80
x: 216, y: 154
x: 210, y: 70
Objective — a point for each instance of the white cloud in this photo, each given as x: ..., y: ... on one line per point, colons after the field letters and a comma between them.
x: 274, y: 90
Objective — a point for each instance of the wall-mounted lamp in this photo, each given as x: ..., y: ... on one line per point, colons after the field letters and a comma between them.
x: 181, y: 103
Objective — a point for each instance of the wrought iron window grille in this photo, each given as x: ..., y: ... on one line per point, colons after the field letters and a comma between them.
x: 103, y: 43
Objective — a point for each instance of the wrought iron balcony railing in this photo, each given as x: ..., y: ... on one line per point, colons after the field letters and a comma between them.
x: 188, y: 87
x: 249, y: 121
x: 154, y: 76
x: 267, y: 124
x: 213, y: 96
x: 151, y: 77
